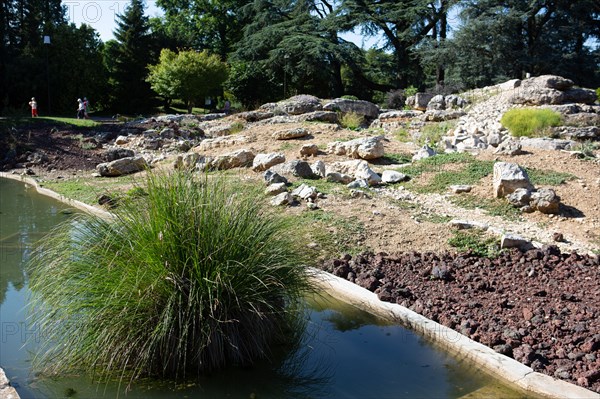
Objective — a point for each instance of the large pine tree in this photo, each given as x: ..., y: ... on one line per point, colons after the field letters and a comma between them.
x: 128, y: 60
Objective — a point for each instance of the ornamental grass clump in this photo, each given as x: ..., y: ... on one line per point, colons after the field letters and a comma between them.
x: 189, y: 278
x: 528, y: 122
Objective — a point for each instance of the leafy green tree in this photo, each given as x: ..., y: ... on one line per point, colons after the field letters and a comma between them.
x: 187, y: 75
x: 129, y: 57
x: 370, y: 74
x: 295, y: 45
x: 404, y: 24
x: 498, y: 40
x: 251, y: 84
x: 215, y: 25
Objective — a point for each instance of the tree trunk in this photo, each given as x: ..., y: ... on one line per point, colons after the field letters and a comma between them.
x: 440, y: 74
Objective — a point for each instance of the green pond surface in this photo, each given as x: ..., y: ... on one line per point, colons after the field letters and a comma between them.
x: 345, y: 352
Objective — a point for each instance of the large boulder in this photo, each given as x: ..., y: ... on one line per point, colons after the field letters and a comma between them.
x: 398, y: 114
x: 509, y: 177
x: 582, y: 96
x: 296, y: 105
x: 510, y: 147
x: 582, y: 119
x: 236, y: 159
x: 360, y: 107
x: 290, y: 134
x: 364, y: 172
x: 550, y: 89
x: 453, y: 102
x: 305, y: 192
x: 296, y: 168
x: 436, y: 103
x: 358, y: 169
x: 319, y: 116
x: 443, y: 115
x: 421, y: 100
x: 549, y: 81
x: 545, y: 143
x: 219, y: 142
x: 263, y: 162
x: 117, y: 153
x: 392, y: 176
x: 578, y: 133
x: 546, y: 201
x: 255, y: 116
x: 123, y: 166
x: 363, y: 148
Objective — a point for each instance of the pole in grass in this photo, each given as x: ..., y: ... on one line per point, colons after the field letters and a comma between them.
x: 47, y: 45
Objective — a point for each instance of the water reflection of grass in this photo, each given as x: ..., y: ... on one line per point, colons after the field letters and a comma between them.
x: 188, y: 279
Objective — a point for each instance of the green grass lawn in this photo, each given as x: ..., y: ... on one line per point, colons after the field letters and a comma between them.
x: 49, y: 119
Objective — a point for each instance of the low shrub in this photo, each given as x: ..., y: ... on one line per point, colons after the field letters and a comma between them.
x: 349, y: 97
x: 588, y: 149
x: 529, y: 122
x: 410, y: 91
x: 395, y: 99
x: 432, y: 133
x: 352, y: 120
x: 598, y: 95
x: 236, y: 127
x: 191, y: 277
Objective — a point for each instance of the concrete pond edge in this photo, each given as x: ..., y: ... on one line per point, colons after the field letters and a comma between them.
x: 500, y: 366
x: 496, y: 364
x: 52, y: 194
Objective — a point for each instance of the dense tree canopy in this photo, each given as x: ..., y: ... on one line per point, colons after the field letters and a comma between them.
x: 277, y: 48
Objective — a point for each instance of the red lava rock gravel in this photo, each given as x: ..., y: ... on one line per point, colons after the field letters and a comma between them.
x: 540, y: 307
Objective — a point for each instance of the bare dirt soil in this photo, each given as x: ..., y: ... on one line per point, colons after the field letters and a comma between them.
x: 541, y: 307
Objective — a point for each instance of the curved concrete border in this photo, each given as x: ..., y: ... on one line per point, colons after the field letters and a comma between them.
x: 500, y: 366
x: 52, y: 194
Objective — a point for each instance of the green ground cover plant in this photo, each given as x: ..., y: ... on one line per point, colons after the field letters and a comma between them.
x: 188, y: 278
x: 466, y: 170
x: 529, y: 122
x: 475, y: 241
x: 548, y: 177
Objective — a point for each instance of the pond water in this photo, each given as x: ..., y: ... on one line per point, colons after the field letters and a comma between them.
x: 345, y: 352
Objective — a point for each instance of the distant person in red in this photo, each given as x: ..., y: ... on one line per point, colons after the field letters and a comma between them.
x: 86, y: 108
x: 33, y: 105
